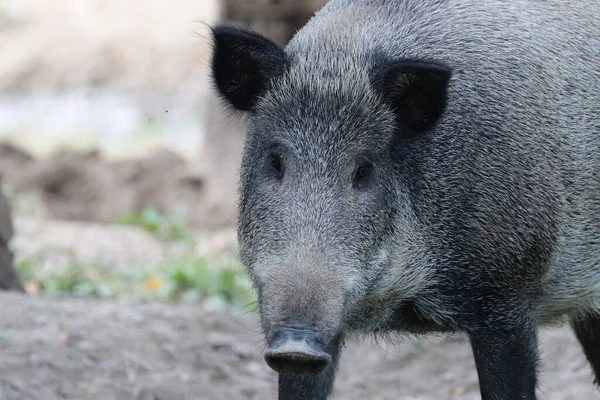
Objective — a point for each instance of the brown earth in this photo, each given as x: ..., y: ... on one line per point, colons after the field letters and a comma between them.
x: 85, y: 186
x: 71, y: 348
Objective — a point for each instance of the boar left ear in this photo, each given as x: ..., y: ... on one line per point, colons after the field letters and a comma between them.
x: 243, y: 64
x: 416, y: 91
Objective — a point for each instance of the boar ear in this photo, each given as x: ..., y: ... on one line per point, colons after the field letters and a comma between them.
x: 416, y: 92
x: 243, y: 64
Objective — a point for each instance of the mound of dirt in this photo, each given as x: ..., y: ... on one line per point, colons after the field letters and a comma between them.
x: 77, y: 349
x: 83, y: 186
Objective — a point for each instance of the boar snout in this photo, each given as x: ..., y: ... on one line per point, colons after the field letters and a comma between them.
x: 297, y: 351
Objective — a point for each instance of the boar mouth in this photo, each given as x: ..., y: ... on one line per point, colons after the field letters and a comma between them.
x: 296, y: 351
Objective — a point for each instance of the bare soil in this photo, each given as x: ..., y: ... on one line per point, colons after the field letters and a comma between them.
x: 76, y: 348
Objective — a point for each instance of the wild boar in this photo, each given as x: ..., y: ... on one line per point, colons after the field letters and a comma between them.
x: 420, y: 166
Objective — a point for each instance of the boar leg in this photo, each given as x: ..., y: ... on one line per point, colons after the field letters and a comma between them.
x: 506, y: 360
x: 587, y: 331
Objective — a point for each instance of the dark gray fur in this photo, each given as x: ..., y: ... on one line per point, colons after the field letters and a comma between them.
x: 487, y: 224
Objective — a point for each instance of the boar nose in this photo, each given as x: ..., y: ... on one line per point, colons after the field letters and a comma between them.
x: 296, y: 351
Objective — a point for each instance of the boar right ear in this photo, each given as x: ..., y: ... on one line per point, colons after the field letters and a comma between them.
x: 243, y: 64
x: 416, y: 91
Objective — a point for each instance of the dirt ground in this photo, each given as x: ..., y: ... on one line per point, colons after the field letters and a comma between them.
x: 74, y: 348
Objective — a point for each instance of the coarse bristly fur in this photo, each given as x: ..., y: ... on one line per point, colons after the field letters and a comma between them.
x: 423, y: 166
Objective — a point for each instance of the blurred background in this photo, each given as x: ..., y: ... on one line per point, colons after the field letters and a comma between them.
x: 118, y: 259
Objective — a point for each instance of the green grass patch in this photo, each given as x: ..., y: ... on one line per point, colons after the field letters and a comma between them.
x: 184, y: 279
x: 167, y: 227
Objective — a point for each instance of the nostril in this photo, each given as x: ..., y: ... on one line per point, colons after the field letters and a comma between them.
x: 297, y: 363
x: 297, y: 351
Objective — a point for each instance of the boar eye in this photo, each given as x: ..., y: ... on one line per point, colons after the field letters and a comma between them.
x: 363, y: 171
x: 276, y: 162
